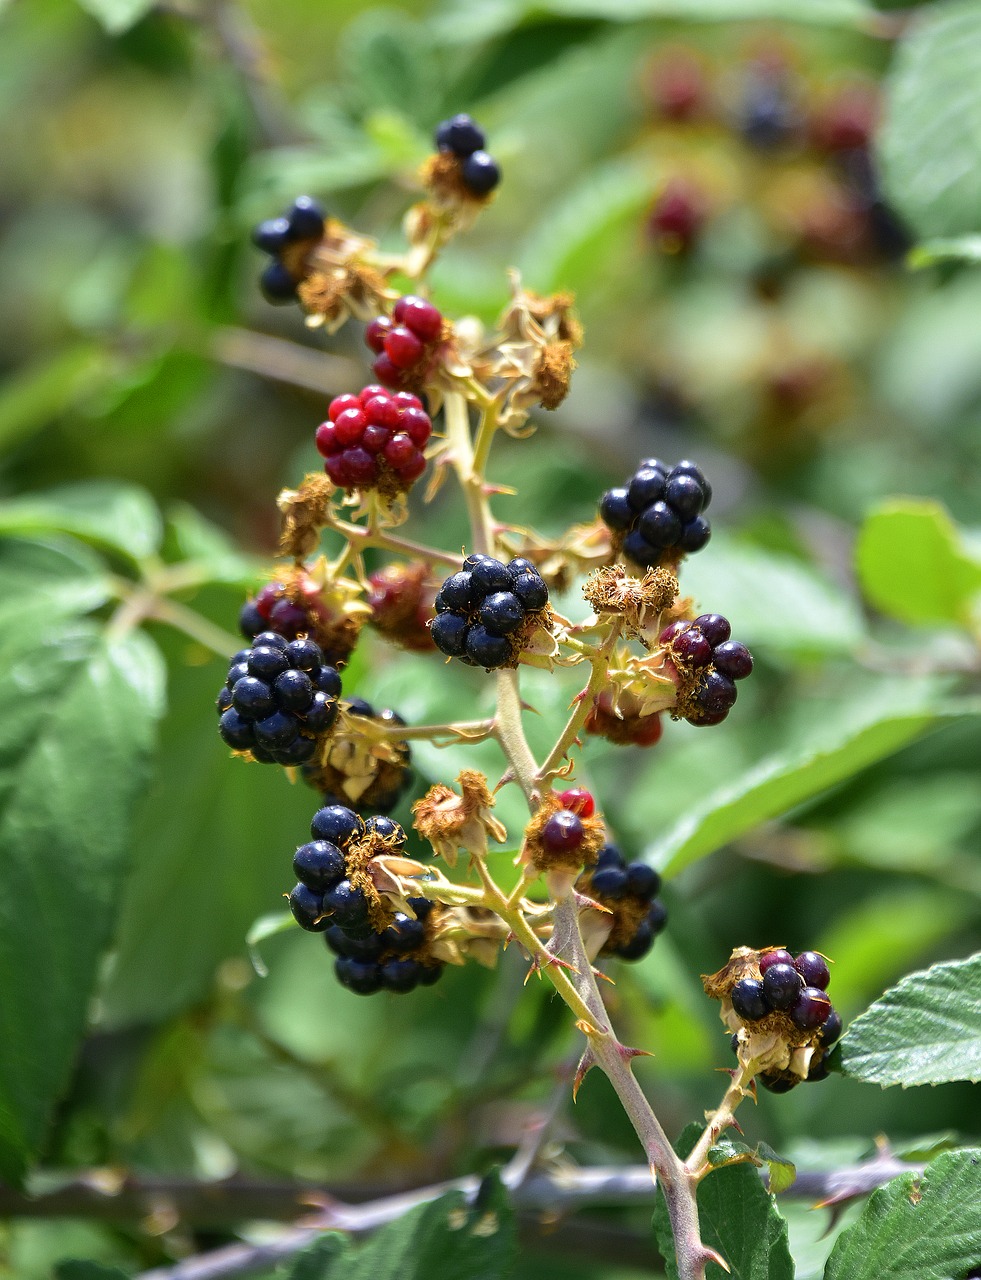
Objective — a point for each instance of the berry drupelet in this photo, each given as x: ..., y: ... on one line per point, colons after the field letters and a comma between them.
x: 375, y: 440
x: 287, y: 241
x: 462, y: 138
x: 487, y: 612
x: 400, y: 598
x: 395, y: 959
x: 404, y: 342
x: 629, y: 891
x: 708, y: 664
x: 279, y: 700
x: 656, y: 517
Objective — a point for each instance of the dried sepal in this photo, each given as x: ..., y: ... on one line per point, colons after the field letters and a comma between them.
x: 305, y: 510
x: 341, y: 278
x: 361, y: 768
x: 452, y: 821
x: 568, y: 862
x: 640, y: 602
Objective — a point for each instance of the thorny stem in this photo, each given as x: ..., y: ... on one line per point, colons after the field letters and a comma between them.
x: 697, y: 1163
x: 362, y: 537
x: 457, y: 413
x: 597, y: 679
x: 510, y: 734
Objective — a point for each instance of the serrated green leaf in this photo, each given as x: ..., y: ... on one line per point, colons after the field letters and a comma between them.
x: 44, y: 581
x: 106, y: 513
x: 117, y: 16
x: 730, y: 1150
x: 917, y: 1227
x: 954, y: 249
x: 925, y: 1030
x: 72, y: 761
x: 444, y: 1240
x: 737, y: 1217
x: 893, y: 717
x: 913, y: 565
x: 930, y: 144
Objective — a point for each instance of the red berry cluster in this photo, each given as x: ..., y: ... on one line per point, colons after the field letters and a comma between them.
x: 403, y: 341
x: 375, y: 439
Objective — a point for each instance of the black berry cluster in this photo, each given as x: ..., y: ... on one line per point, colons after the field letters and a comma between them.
x: 463, y: 138
x: 286, y: 240
x: 657, y: 516
x: 484, y: 611
x: 325, y: 901
x: 629, y: 891
x: 702, y: 648
x: 796, y: 987
x: 374, y: 781
x: 279, y: 700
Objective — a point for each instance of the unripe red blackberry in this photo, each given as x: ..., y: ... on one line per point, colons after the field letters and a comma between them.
x: 677, y: 217
x: 400, y: 597
x: 629, y: 728
x: 405, y: 342
x: 579, y: 801
x: 374, y: 441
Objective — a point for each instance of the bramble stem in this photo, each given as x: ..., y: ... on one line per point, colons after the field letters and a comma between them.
x: 358, y: 535
x: 457, y: 414
x: 510, y: 733
x: 697, y: 1163
x: 598, y: 677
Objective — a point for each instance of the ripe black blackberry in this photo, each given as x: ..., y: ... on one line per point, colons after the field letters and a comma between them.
x: 462, y: 138
x: 287, y: 240
x: 629, y: 891
x: 657, y: 516
x: 356, y: 771
x: 486, y: 613
x: 708, y: 663
x: 279, y: 700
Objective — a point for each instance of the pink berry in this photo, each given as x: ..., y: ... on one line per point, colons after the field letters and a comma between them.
x: 340, y: 403
x: 399, y: 449
x: 420, y: 316
x: 336, y: 468
x: 416, y: 424
x: 413, y: 468
x: 349, y: 426
x: 579, y: 801
x: 376, y: 333
x: 267, y: 597
x: 382, y: 411
x: 406, y: 400
x: 326, y: 439
x: 370, y: 391
x: 375, y: 438
x: 563, y: 832
x: 778, y: 956
x: 385, y: 371
x: 403, y: 348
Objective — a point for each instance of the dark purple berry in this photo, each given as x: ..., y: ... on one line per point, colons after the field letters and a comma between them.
x: 489, y: 575
x: 733, y: 660
x: 390, y: 830
x: 306, y: 219
x: 269, y: 640
x: 404, y: 933
x: 813, y: 968
x: 717, y: 693
x: 299, y: 751
x: 501, y: 613
x: 695, y: 534
x: 250, y: 620
x: 646, y: 487
x: 321, y: 713
x: 775, y: 1083
x: 336, y: 823
x: 342, y: 944
x: 692, y: 647
x: 253, y: 698
x: 638, y: 946
x: 616, y: 510
x: 319, y: 865
x: 520, y: 566
x: 830, y: 1029
x: 359, y: 707
x: 779, y: 955
x: 713, y: 627
x: 277, y: 285
x: 782, y: 985
x: 747, y: 1000
x: 458, y: 592
x: 360, y: 976
x: 811, y: 1010
x: 657, y: 916
x: 610, y: 882
x: 480, y: 172
x: 327, y: 680
x: 485, y: 650
x: 610, y: 856
x: 224, y: 700
x: 531, y: 591
x: 684, y: 495
x: 637, y: 548
x: 400, y: 976
x: 346, y: 905
x: 430, y: 973
x: 818, y: 1069
x: 236, y: 732
x: 460, y: 134
x: 266, y: 663
x: 276, y: 731
x: 642, y: 880
x: 293, y: 690
x: 563, y: 832
x: 236, y: 672
x: 660, y: 525
x: 449, y: 632
x: 304, y: 654
x: 307, y: 907
x: 271, y: 236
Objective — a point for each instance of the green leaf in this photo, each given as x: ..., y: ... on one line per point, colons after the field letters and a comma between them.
x: 891, y: 718
x: 76, y: 729
x: 192, y: 538
x: 318, y: 1259
x: 444, y: 1240
x: 954, y: 249
x: 737, y: 1217
x: 930, y: 145
x: 917, y: 1227
x: 34, y: 395
x: 267, y: 926
x: 388, y: 59
x: 925, y: 1030
x: 913, y: 565
x: 43, y: 582
x: 117, y: 15
x: 731, y: 1150
x: 106, y: 513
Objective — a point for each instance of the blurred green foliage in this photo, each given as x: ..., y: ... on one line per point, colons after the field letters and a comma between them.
x: 152, y: 405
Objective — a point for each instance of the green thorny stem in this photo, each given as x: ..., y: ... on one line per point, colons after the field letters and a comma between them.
x: 565, y: 960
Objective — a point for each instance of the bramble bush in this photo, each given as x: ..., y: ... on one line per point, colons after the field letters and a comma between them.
x: 601, y: 771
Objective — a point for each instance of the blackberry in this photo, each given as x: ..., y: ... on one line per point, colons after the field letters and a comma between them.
x: 388, y: 829
x: 270, y: 704
x: 768, y: 118
x: 346, y: 905
x: 813, y: 968
x: 748, y: 1000
x: 782, y: 986
x: 319, y: 865
x: 779, y: 955
x: 308, y: 909
x: 361, y: 976
x: 656, y: 516
x: 274, y: 618
x: 462, y: 138
x: 337, y: 824
x: 394, y: 959
x: 708, y: 663
x: 563, y: 832
x: 830, y: 1029
x: 343, y: 944
x: 286, y: 240
x: 486, y: 612
x: 812, y: 1009
x: 375, y: 440
x: 628, y: 891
